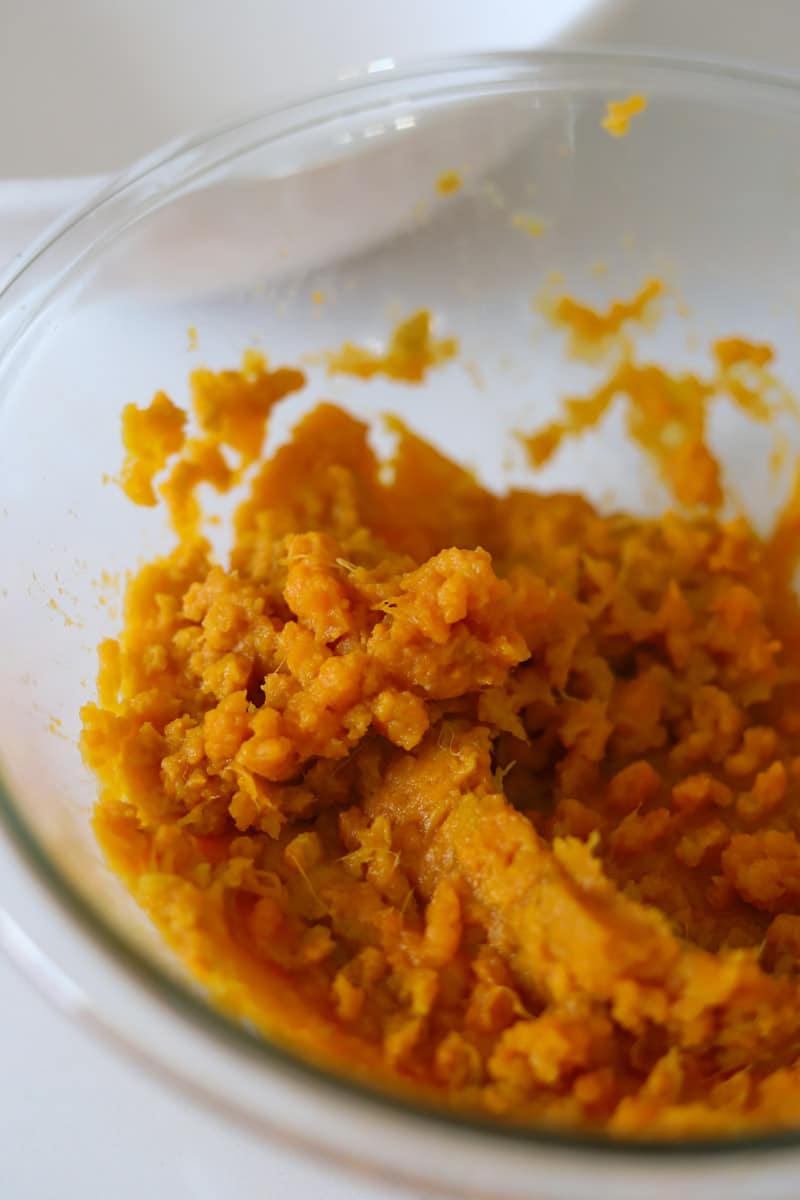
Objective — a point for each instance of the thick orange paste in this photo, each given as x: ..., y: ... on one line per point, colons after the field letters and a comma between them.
x: 493, y: 798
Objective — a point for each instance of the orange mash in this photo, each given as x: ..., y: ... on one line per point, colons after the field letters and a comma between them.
x: 492, y: 798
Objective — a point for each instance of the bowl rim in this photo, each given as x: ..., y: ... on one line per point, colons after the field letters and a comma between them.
x: 350, y: 95
x: 361, y: 82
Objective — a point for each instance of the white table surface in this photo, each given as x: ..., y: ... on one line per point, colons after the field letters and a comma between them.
x: 86, y: 86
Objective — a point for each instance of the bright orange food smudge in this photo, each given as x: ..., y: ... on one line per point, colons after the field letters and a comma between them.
x: 620, y: 112
x: 448, y: 183
x: 666, y: 414
x: 592, y: 330
x: 411, y: 352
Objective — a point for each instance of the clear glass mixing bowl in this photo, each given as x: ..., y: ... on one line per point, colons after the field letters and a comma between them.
x: 232, y: 234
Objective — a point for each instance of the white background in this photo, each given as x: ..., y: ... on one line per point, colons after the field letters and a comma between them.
x: 85, y: 86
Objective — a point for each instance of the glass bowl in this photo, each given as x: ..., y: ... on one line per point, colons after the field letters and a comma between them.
x: 233, y: 234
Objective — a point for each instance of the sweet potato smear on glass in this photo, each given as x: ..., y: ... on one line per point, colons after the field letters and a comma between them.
x: 492, y: 799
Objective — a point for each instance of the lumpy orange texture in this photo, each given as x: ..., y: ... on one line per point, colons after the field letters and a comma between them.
x: 495, y: 799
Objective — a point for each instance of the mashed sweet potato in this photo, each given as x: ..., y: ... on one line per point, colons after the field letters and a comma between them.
x: 494, y: 798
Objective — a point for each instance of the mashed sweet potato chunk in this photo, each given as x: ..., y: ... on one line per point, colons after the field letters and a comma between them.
x: 494, y: 798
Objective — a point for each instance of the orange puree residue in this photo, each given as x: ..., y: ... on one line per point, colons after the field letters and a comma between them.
x: 592, y: 332
x: 449, y: 182
x: 529, y: 224
x: 412, y: 350
x: 619, y: 113
x: 666, y: 413
x: 492, y: 798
